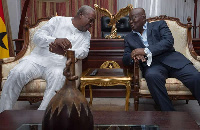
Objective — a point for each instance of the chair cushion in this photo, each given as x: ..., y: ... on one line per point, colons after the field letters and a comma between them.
x: 35, y: 86
x: 173, y: 86
x: 7, y: 67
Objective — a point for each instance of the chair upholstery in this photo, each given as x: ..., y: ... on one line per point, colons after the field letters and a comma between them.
x: 123, y: 27
x: 183, y: 44
x: 34, y: 90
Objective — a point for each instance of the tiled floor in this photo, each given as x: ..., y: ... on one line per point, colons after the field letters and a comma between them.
x: 117, y: 104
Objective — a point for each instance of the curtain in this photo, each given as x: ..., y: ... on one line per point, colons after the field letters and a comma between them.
x: 38, y: 9
x: 150, y: 6
x: 174, y: 8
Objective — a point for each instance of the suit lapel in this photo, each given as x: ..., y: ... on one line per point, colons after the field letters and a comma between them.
x: 149, y: 33
x: 137, y: 40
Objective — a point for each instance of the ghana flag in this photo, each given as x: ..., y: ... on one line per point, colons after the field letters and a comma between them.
x: 4, y: 51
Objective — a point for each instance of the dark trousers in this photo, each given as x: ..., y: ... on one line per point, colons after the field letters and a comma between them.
x: 156, y: 76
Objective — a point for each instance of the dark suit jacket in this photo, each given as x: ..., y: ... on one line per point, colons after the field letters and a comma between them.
x: 160, y: 42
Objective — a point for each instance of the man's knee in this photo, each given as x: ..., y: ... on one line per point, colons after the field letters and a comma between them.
x: 21, y: 70
x: 56, y: 75
x: 196, y: 76
x: 153, y: 76
x: 18, y: 73
x: 193, y: 79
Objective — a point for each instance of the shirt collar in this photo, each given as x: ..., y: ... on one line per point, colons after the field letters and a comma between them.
x: 144, y: 27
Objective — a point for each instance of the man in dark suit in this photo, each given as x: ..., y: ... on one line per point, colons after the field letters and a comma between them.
x: 152, y: 45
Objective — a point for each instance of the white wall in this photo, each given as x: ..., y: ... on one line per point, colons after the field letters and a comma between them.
x: 15, y: 15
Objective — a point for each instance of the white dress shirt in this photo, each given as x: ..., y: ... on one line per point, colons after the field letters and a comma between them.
x: 143, y: 37
x: 58, y: 27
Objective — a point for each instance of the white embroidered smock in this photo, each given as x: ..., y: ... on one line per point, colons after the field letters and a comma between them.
x: 58, y: 27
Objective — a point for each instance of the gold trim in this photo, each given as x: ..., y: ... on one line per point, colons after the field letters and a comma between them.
x: 109, y: 65
x: 106, y: 81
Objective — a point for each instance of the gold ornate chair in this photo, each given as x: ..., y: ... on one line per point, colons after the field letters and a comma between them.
x: 183, y: 44
x: 33, y: 91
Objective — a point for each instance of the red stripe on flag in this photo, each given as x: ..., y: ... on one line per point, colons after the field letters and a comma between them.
x: 1, y: 11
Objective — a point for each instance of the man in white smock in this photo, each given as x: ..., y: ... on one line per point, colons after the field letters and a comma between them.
x: 65, y: 32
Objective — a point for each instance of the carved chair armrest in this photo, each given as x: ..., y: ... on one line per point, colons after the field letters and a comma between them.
x: 8, y: 60
x: 198, y: 58
x: 18, y: 40
x: 194, y: 54
x: 189, y: 40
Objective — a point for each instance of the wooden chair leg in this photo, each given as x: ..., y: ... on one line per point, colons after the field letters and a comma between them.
x: 187, y: 101
x: 91, y: 98
x: 136, y: 102
x: 128, y: 91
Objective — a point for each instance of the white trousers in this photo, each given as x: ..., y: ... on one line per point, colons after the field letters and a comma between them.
x: 26, y: 71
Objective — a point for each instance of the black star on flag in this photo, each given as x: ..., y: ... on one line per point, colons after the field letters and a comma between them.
x: 1, y: 40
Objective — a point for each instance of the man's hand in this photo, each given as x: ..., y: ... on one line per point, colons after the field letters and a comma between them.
x: 54, y: 48
x: 60, y: 46
x: 63, y: 42
x: 139, y: 57
x: 138, y: 54
x: 138, y: 51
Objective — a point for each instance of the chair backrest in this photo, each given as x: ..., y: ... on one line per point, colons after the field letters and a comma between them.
x: 31, y: 31
x: 123, y: 26
x: 182, y: 37
x: 179, y: 32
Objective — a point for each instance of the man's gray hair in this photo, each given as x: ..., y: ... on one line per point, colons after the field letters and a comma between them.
x: 84, y: 9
